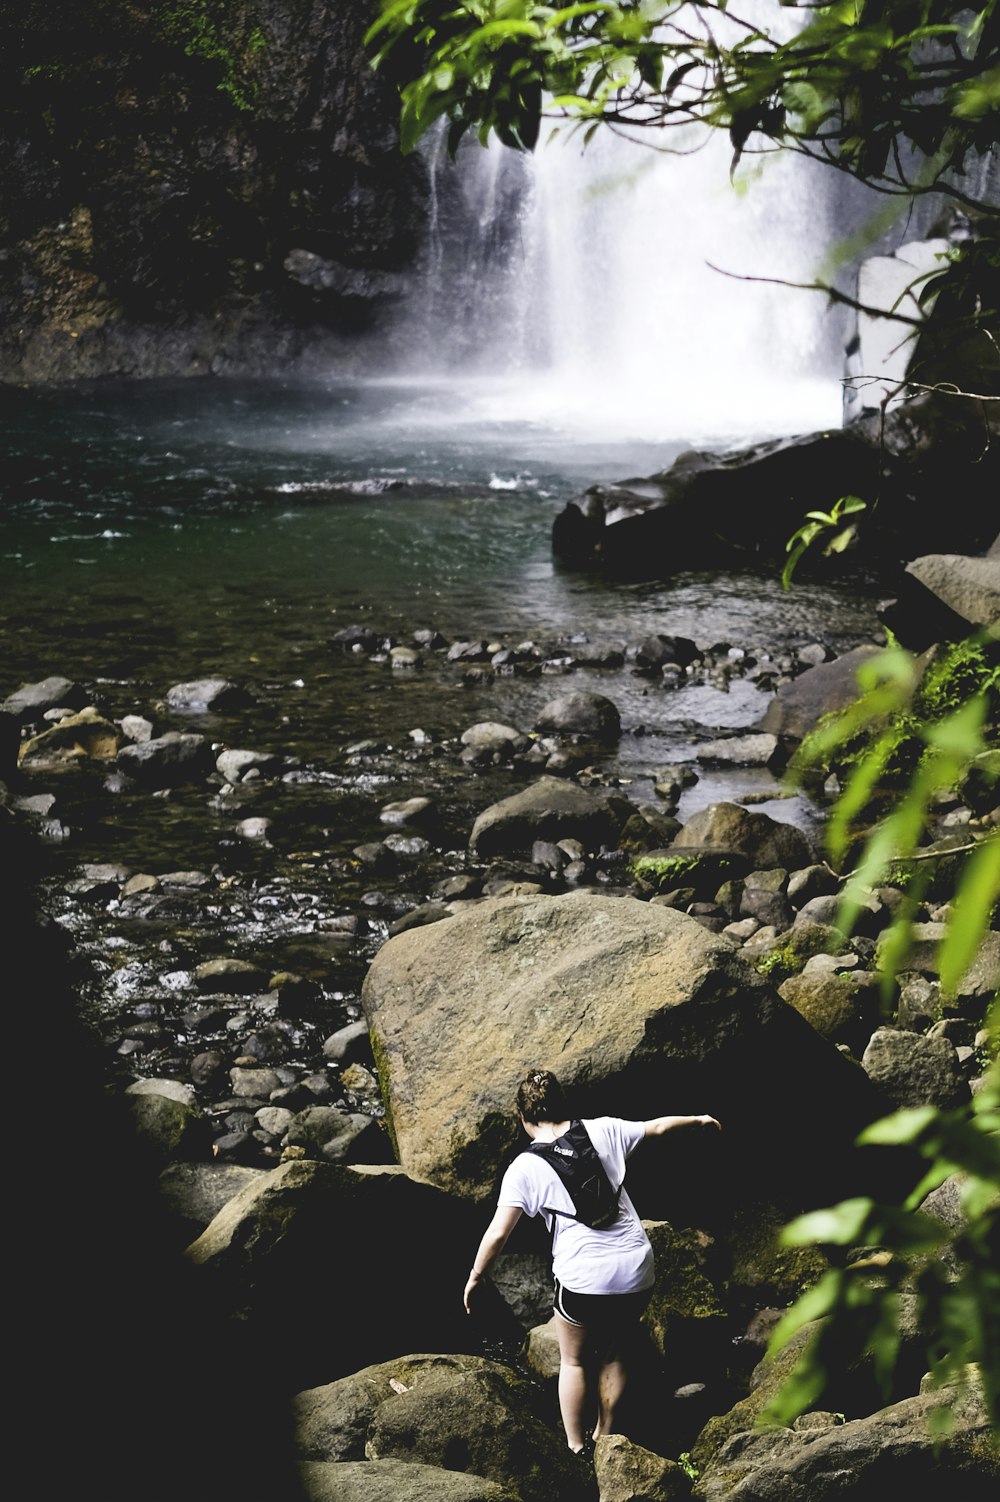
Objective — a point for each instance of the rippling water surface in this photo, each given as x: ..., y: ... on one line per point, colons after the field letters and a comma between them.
x: 163, y: 532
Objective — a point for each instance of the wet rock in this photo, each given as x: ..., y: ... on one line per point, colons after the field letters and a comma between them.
x: 208, y: 694
x: 811, y: 881
x: 653, y: 651
x: 338, y: 1136
x: 590, y: 715
x: 800, y: 703
x: 255, y: 1083
x: 87, y: 735
x: 29, y: 702
x: 761, y: 839
x: 255, y: 828
x: 230, y: 976
x: 488, y: 738
x: 349, y: 1045
x: 234, y: 765
x: 168, y: 760
x: 135, y: 727
x: 409, y: 811
x: 548, y: 809
x: 739, y: 750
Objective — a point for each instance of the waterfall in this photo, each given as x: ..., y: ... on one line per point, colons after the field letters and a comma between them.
x: 627, y: 289
x: 581, y: 284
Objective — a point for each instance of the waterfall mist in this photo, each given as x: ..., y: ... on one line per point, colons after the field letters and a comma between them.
x: 587, y: 288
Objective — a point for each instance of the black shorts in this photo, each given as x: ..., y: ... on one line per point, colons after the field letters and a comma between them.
x: 599, y: 1311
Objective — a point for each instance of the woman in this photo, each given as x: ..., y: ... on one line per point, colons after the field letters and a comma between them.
x: 603, y: 1278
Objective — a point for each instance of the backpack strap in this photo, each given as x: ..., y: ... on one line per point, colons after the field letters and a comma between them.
x: 579, y: 1140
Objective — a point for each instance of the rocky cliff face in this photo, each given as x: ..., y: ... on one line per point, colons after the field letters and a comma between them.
x: 197, y: 186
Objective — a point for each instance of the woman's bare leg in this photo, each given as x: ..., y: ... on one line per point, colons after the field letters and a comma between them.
x: 610, y: 1389
x: 574, y: 1386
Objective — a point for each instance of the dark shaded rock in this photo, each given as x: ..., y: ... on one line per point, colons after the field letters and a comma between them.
x: 590, y: 715
x: 800, y: 703
x: 548, y: 809
x: 168, y: 760
x: 761, y: 839
x: 707, y: 509
x: 208, y: 694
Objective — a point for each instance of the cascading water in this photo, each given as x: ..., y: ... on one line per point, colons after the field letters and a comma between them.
x: 578, y: 287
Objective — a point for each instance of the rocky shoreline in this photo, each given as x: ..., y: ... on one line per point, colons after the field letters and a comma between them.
x: 332, y: 1128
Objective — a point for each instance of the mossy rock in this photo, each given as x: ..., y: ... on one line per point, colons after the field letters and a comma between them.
x: 704, y: 869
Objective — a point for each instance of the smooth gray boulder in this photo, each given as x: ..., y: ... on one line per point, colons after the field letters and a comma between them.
x: 968, y: 586
x: 31, y: 700
x: 800, y: 703
x: 207, y: 694
x: 640, y: 1010
x: 549, y: 809
x: 590, y: 715
x: 167, y: 760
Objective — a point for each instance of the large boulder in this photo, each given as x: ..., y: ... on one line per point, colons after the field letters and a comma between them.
x: 895, y: 1451
x: 943, y: 597
x: 550, y: 809
x: 337, y: 1267
x: 462, y: 1413
x: 799, y: 704
x: 642, y: 1012
x: 713, y: 508
x: 764, y: 841
x: 394, y: 1481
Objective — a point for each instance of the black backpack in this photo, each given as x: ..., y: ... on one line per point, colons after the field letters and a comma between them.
x: 575, y: 1160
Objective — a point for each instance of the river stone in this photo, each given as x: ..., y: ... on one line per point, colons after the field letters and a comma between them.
x: 168, y: 1130
x: 488, y: 737
x: 763, y: 840
x: 167, y: 760
x: 982, y: 978
x: 549, y: 809
x: 800, y: 703
x: 641, y: 1009
x: 867, y: 1458
x: 31, y: 700
x: 843, y: 1007
x: 591, y: 715
x: 394, y: 1481
x: 281, y: 1248
x: 408, y: 811
x: 230, y: 977
x: 627, y: 1472
x: 87, y: 734
x: 173, y: 1089
x: 207, y: 694
x: 915, y: 1070
x: 339, y: 1136
x: 234, y: 765
x: 739, y: 750
x: 349, y: 1045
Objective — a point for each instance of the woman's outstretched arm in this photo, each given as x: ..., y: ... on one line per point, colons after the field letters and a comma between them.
x: 661, y: 1124
x: 493, y: 1242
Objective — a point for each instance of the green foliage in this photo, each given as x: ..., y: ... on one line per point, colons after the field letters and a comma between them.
x: 688, y: 1466
x: 953, y: 1270
x: 898, y: 92
x: 910, y: 738
x: 818, y: 522
x: 196, y: 25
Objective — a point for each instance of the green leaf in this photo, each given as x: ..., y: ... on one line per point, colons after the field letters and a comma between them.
x: 839, y: 1225
x: 902, y: 1126
x: 814, y: 1304
x: 975, y: 898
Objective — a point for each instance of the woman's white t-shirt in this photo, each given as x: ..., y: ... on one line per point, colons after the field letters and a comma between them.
x: 616, y: 1260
